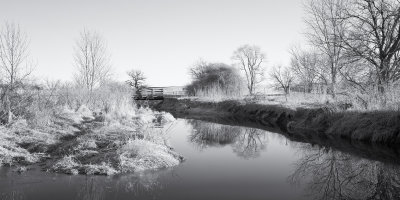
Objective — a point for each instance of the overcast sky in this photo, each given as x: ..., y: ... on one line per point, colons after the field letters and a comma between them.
x: 162, y: 38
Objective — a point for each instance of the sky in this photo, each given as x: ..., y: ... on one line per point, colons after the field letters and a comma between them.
x: 163, y: 38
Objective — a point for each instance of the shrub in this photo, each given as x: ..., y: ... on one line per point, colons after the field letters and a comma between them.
x: 214, y: 79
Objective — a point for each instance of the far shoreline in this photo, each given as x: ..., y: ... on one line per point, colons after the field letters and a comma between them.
x: 372, y: 134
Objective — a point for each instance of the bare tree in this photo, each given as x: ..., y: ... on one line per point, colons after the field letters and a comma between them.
x: 325, y: 24
x: 92, y: 60
x: 136, y: 79
x: 306, y: 66
x: 373, y: 35
x: 283, y: 78
x: 14, y: 67
x: 250, y: 60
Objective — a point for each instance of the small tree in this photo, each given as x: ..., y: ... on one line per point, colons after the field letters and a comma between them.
x: 282, y: 78
x: 14, y: 67
x: 250, y: 60
x: 92, y: 60
x: 136, y: 79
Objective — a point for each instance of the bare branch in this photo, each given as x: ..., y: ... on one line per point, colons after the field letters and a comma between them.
x: 92, y: 60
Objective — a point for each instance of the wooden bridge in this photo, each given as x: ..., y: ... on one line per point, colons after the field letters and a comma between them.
x: 158, y: 93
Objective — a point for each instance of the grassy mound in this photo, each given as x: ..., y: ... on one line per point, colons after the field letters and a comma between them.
x: 139, y: 155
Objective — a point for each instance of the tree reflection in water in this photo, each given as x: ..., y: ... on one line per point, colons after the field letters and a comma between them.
x: 330, y: 174
x: 246, y: 142
x: 135, y: 185
x: 91, y: 189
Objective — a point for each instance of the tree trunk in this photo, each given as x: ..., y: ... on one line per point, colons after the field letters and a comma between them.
x: 383, y: 81
x: 333, y: 90
x: 8, y: 107
x: 251, y: 90
x: 381, y: 88
x: 333, y: 84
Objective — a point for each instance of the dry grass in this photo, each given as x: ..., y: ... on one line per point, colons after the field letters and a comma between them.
x: 216, y: 93
x: 18, y: 139
x: 112, y: 99
x: 372, y: 100
x: 295, y: 99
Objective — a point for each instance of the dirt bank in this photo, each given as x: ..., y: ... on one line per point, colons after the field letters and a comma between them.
x: 378, y: 127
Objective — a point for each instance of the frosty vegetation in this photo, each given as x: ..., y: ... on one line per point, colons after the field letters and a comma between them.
x: 89, y: 126
x: 86, y: 142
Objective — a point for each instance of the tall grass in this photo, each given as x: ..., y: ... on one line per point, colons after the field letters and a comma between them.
x: 217, y: 93
x: 108, y: 97
x: 372, y: 99
x: 112, y: 100
x: 295, y: 99
x: 368, y: 99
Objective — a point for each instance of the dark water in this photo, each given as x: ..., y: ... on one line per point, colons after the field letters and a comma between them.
x: 224, y: 162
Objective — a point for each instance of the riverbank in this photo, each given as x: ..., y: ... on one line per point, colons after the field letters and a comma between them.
x: 330, y: 121
x: 86, y: 142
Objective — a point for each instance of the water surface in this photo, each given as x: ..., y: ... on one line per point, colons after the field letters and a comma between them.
x: 224, y: 162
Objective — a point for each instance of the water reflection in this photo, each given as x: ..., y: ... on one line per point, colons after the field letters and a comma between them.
x: 40, y: 185
x: 330, y: 174
x: 245, y: 142
x: 91, y: 189
x: 15, y: 195
x: 140, y: 184
x: 288, y: 170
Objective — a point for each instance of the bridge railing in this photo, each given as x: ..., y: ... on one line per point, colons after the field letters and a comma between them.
x: 149, y: 94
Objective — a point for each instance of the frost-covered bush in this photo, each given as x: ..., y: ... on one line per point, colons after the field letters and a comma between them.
x: 67, y: 165
x: 138, y: 155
